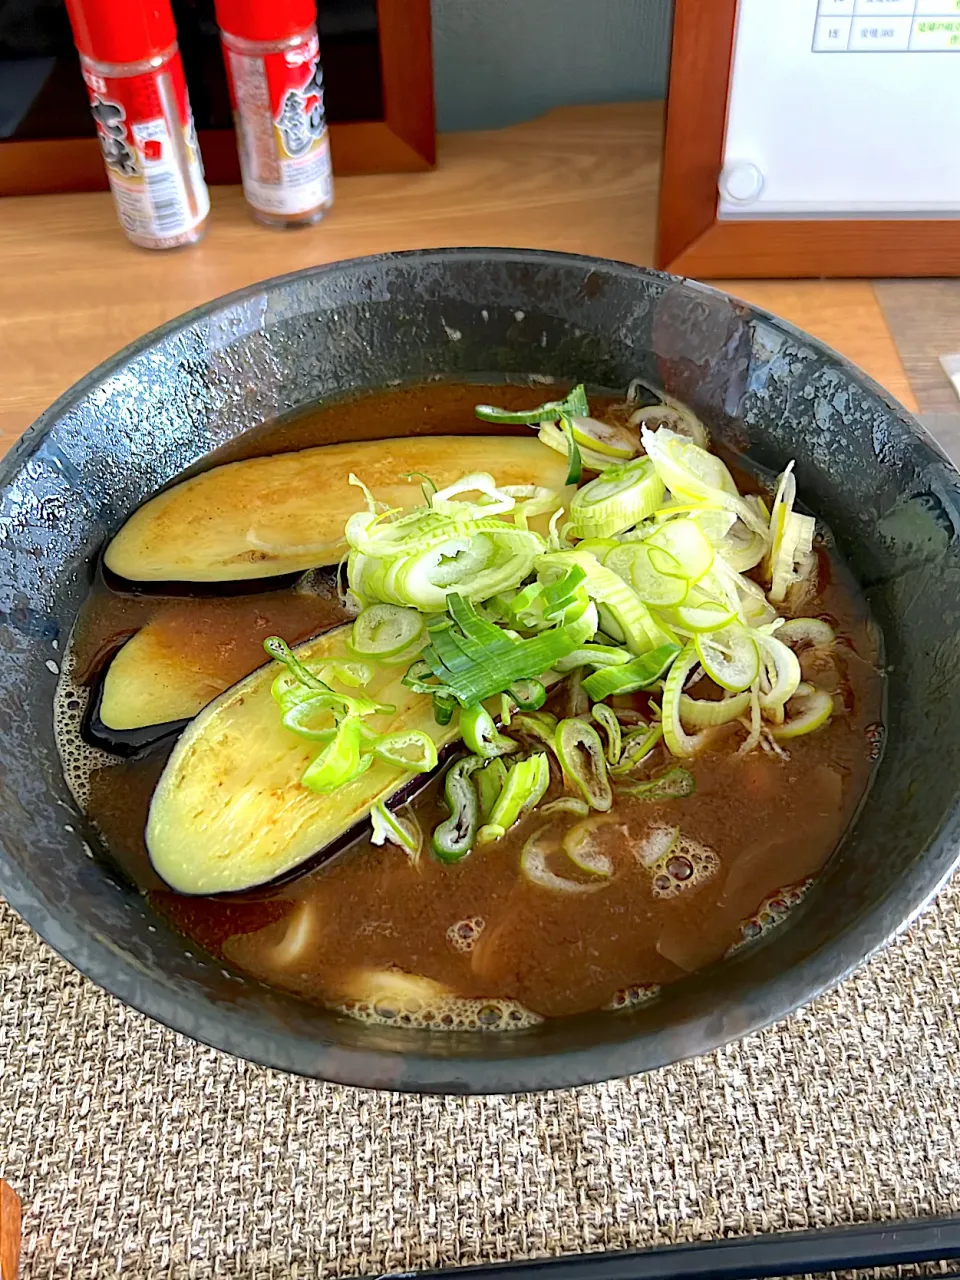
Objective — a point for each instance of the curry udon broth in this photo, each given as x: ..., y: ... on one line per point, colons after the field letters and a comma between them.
x: 476, y: 942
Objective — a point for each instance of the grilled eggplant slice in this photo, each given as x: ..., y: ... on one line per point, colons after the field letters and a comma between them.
x: 182, y: 659
x: 151, y: 683
x: 230, y: 812
x: 287, y: 512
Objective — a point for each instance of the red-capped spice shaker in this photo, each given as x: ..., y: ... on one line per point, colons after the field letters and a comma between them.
x: 138, y: 96
x: 272, y: 55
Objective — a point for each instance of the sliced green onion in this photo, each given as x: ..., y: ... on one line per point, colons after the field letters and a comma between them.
x: 299, y: 707
x: 620, y: 497
x: 572, y: 407
x: 419, y: 677
x: 525, y: 786
x: 496, y: 500
x: 678, y: 741
x: 538, y: 606
x: 405, y: 655
x: 455, y: 836
x: 443, y: 708
x: 688, y: 470
x: 404, y: 832
x: 407, y: 748
x: 299, y: 716
x: 480, y: 734
x: 560, y: 438
x: 576, y: 701
x: 799, y: 633
x: 756, y: 722
x: 528, y: 694
x: 593, y: 655
x: 530, y: 500
x: 810, y: 709
x: 782, y: 507
x: 281, y: 652
x: 598, y: 547
x: 657, y: 845
x: 790, y: 539
x: 687, y: 544
x: 693, y: 475
x: 795, y: 552
x: 675, y: 783
x: 579, y: 844
x: 742, y: 593
x: 539, y: 725
x: 726, y: 589
x: 526, y: 608
x: 637, y: 746
x: 580, y: 753
x: 604, y: 437
x: 670, y: 412
x: 353, y: 674
x: 622, y: 614
x: 557, y: 541
x: 716, y: 522
x: 420, y: 558
x: 654, y: 573
x: 779, y: 675
x: 428, y: 487
x: 340, y: 761
x: 565, y: 804
x: 730, y: 657
x: 703, y: 713
x: 703, y: 615
x: 574, y: 456
x: 533, y: 866
x: 489, y: 782
x: 575, y: 403
x: 564, y: 592
x: 608, y: 721
x: 640, y: 673
x: 742, y: 548
x: 475, y: 659
x: 384, y: 630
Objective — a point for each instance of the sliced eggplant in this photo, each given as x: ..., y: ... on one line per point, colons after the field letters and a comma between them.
x: 150, y: 683
x: 230, y: 812
x: 183, y: 657
x: 127, y: 743
x: 284, y: 513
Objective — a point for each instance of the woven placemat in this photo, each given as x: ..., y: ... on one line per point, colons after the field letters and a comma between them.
x: 139, y: 1153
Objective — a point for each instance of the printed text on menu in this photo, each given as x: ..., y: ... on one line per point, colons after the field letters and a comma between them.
x: 887, y: 26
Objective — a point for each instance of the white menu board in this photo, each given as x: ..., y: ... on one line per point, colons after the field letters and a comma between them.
x: 844, y: 107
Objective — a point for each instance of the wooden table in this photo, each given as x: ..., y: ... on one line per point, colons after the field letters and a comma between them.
x: 584, y: 179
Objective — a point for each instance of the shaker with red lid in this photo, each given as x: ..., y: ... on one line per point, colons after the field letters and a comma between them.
x: 272, y: 55
x: 138, y: 96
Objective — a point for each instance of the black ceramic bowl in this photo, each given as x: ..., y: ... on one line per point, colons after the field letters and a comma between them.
x: 862, y: 464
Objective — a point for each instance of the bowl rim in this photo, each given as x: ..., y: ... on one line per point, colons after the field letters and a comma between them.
x: 467, y: 1074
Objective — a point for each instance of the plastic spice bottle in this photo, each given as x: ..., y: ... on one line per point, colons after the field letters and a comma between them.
x: 138, y: 96
x: 273, y: 65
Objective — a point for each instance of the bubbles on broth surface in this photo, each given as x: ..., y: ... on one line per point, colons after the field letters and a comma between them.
x: 771, y: 912
x: 464, y: 935
x: 632, y: 997
x: 392, y: 998
x: 448, y: 1013
x: 78, y: 757
x: 687, y: 865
